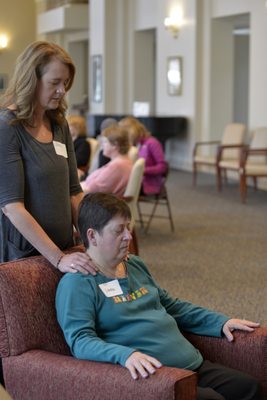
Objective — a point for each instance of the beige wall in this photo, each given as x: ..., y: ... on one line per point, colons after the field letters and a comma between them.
x: 18, y: 21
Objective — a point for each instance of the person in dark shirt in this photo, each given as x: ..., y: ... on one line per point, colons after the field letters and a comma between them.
x: 78, y: 130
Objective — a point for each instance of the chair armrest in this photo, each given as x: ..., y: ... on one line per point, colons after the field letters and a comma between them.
x: 210, y: 143
x: 247, y: 353
x: 40, y: 374
x: 256, y: 152
x: 233, y: 146
x: 249, y: 152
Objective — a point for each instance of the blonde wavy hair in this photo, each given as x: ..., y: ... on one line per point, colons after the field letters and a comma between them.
x: 29, y: 68
x: 118, y: 136
x: 79, y: 122
x: 136, y: 130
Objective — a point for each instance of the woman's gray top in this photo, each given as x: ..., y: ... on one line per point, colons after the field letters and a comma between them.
x: 41, y: 175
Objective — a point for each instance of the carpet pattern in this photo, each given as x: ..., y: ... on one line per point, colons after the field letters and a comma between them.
x: 217, y: 256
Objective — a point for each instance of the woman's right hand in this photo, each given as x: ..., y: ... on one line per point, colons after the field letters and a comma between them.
x: 141, y: 364
x: 77, y: 262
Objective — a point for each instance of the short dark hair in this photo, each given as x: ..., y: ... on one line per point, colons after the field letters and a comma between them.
x: 96, y: 210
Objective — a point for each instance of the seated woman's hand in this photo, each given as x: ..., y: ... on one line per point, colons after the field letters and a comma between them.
x: 77, y: 262
x: 141, y: 364
x: 238, y: 324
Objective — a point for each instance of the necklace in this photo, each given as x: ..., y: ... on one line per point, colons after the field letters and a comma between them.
x: 119, y: 272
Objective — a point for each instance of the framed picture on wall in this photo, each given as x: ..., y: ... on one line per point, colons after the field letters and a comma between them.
x: 174, y: 76
x: 3, y: 82
x: 97, y: 78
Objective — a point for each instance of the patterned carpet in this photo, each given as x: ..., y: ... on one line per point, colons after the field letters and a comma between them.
x: 217, y: 256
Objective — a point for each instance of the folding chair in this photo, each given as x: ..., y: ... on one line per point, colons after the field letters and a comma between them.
x: 131, y: 197
x: 160, y: 199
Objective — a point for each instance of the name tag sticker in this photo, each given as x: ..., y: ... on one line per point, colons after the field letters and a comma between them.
x: 111, y: 288
x: 60, y: 149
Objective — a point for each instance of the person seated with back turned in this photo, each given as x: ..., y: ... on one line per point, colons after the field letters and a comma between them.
x: 99, y: 160
x: 122, y: 316
x: 151, y: 150
x: 78, y: 131
x: 113, y: 176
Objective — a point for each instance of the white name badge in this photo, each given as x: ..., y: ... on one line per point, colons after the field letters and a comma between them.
x: 60, y: 149
x: 111, y: 288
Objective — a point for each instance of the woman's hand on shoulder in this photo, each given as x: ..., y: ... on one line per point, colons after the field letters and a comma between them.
x: 77, y: 262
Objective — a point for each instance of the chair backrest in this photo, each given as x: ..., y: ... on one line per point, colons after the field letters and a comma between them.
x: 134, y: 185
x: 94, y: 144
x: 27, y: 307
x: 133, y: 153
x: 233, y: 134
x: 258, y: 141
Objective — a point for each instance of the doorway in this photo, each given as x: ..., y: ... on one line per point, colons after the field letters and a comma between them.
x: 144, y: 68
x: 229, y: 72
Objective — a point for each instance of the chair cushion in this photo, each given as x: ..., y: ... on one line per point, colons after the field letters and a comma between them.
x: 205, y: 159
x: 229, y: 164
x: 256, y: 169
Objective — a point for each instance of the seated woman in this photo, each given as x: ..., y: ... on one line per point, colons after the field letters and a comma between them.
x: 99, y: 159
x: 151, y: 150
x: 122, y: 316
x: 113, y: 176
x: 78, y: 130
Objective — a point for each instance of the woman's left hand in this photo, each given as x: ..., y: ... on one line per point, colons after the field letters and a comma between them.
x: 238, y: 324
x: 77, y: 262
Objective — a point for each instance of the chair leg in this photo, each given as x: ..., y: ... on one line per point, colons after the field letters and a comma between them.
x: 243, y: 187
x: 194, y: 174
x: 225, y: 176
x: 255, y: 183
x: 140, y: 215
x: 219, y: 178
x: 170, y: 214
x: 151, y: 215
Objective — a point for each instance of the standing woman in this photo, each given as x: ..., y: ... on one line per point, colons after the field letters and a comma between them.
x: 39, y: 186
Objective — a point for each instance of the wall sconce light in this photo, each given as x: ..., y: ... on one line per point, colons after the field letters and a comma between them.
x: 174, y: 22
x: 171, y: 26
x: 3, y: 42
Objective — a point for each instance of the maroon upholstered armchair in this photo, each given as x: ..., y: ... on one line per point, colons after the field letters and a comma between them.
x: 37, y: 364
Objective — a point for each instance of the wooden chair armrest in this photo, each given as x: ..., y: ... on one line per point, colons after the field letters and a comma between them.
x: 247, y: 353
x: 233, y: 146
x: 211, y: 142
x: 247, y: 152
x: 256, y: 152
x: 206, y: 143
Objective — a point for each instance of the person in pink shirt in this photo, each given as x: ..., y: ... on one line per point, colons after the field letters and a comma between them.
x: 151, y: 150
x: 113, y: 176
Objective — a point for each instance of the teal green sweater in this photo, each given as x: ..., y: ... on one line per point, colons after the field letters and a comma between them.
x: 144, y: 318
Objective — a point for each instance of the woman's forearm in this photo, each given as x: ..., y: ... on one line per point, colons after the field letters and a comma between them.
x: 32, y: 231
x: 75, y: 202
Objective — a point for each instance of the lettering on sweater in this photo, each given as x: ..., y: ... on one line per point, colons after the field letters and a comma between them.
x: 130, y: 296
